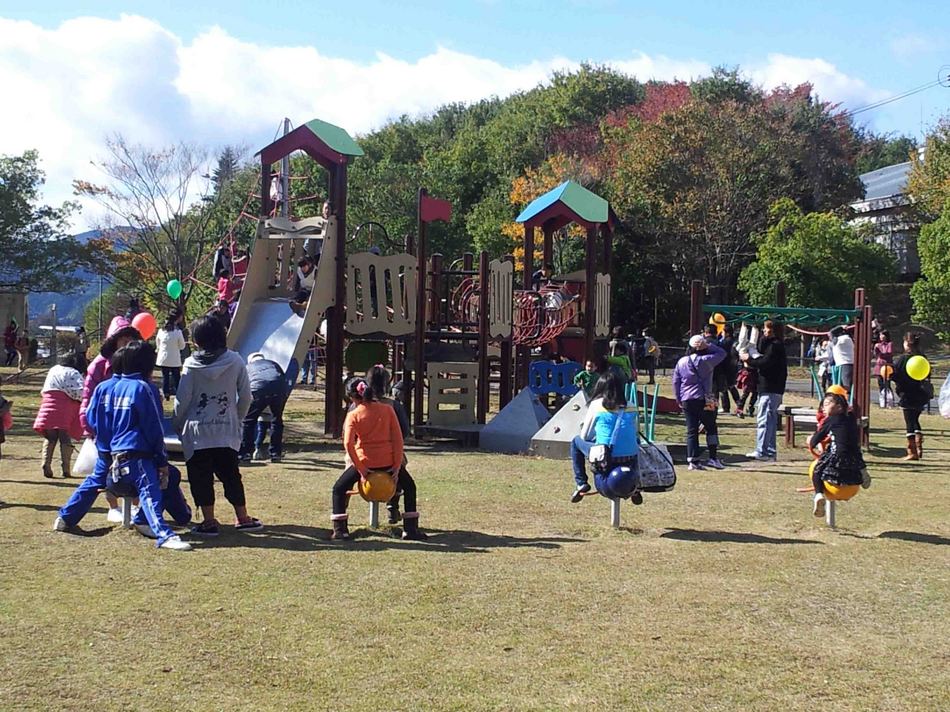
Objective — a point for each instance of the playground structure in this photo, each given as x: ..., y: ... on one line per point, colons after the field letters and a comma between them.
x: 439, y: 327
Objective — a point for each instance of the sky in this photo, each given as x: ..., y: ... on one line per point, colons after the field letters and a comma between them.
x: 216, y: 73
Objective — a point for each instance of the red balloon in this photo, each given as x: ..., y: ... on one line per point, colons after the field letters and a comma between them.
x: 145, y: 323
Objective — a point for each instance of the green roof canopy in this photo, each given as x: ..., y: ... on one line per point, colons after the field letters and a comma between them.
x: 325, y: 143
x: 334, y: 137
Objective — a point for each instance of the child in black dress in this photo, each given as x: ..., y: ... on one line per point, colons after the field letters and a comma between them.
x: 841, y: 463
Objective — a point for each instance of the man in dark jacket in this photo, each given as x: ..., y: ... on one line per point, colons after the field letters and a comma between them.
x: 772, y: 366
x: 269, y: 391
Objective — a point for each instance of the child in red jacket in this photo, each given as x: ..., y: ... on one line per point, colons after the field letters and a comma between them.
x: 58, y: 417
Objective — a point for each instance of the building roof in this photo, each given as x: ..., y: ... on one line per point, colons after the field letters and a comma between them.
x: 886, y: 182
x: 569, y: 202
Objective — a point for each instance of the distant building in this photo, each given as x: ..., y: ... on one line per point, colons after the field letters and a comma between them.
x: 887, y: 207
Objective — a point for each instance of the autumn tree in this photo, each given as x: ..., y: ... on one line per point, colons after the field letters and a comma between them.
x: 159, y: 213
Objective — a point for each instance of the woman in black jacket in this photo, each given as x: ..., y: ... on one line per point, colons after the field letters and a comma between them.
x: 913, y: 396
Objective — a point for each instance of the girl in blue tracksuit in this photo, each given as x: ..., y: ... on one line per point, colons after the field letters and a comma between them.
x: 126, y: 417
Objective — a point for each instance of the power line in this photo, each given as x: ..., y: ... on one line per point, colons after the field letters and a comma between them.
x: 943, y: 79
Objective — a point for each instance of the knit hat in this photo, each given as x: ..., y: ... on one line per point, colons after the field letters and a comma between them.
x: 696, y: 340
x: 118, y: 322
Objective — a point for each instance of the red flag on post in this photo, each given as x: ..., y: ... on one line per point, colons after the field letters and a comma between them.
x: 431, y: 209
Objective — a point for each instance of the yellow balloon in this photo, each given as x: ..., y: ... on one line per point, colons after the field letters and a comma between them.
x: 918, y: 367
x: 379, y: 486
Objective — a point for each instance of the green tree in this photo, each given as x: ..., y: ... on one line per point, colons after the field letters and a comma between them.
x: 931, y: 293
x: 38, y: 254
x: 229, y: 161
x: 882, y: 150
x: 820, y: 258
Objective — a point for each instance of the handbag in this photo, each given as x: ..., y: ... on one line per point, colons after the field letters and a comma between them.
x: 599, y: 455
x: 657, y: 473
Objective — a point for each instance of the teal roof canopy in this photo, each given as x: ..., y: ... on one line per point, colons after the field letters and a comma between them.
x: 569, y: 202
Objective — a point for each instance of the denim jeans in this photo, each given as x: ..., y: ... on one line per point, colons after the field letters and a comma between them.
x: 276, y: 402
x: 696, y: 414
x: 766, y: 424
x: 580, y: 449
x: 309, y: 370
x: 171, y: 377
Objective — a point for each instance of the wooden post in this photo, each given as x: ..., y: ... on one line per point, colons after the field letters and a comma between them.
x: 422, y: 284
x: 333, y: 401
x: 695, y: 307
x: 504, y: 384
x: 780, y: 294
x: 484, y: 284
x: 523, y: 353
x: 590, y: 290
x: 862, y: 361
x: 547, y: 254
x: 435, y: 291
x: 607, y: 236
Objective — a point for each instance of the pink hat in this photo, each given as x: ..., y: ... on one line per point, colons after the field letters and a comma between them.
x: 118, y: 322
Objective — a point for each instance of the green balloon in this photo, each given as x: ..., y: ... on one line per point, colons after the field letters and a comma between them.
x: 174, y: 289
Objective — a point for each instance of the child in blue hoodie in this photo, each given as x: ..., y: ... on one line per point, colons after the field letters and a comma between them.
x: 126, y: 416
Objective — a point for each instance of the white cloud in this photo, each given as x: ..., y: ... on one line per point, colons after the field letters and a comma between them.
x: 831, y: 84
x: 911, y: 46
x: 89, y: 77
x: 662, y: 68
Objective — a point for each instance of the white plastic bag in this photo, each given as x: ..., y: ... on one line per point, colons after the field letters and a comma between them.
x: 86, y: 462
x: 944, y: 399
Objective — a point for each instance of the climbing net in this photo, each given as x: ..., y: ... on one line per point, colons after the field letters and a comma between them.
x: 538, y: 317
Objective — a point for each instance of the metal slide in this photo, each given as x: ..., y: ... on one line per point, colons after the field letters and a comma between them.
x: 264, y: 321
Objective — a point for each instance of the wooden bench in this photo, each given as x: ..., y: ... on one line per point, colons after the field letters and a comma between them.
x: 809, y: 416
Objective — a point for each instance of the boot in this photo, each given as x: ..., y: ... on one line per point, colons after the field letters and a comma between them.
x: 919, y: 438
x: 911, y: 449
x: 66, y: 455
x: 410, y: 527
x: 47, y: 458
x: 340, y: 530
x: 394, y: 515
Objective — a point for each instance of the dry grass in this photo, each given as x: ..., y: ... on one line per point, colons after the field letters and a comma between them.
x: 725, y: 594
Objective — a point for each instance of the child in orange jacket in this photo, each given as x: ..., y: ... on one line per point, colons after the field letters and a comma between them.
x: 373, y: 441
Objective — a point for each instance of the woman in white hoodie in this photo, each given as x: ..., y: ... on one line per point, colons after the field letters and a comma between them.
x: 213, y: 397
x: 170, y: 342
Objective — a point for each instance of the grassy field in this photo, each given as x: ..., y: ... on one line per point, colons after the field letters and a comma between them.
x: 726, y: 594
